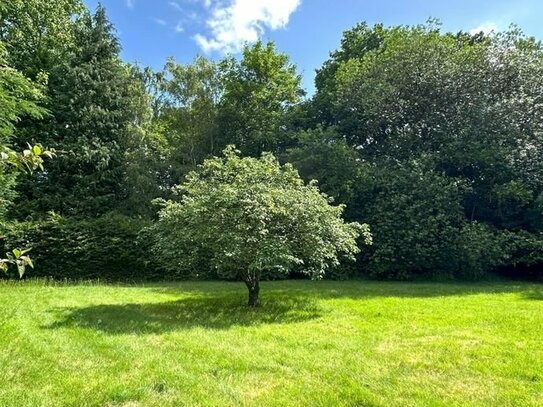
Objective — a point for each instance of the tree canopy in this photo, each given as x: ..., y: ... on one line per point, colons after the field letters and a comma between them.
x: 251, y: 215
x: 19, y: 97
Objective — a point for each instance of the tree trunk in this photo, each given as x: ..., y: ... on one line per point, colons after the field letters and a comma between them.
x: 254, y: 290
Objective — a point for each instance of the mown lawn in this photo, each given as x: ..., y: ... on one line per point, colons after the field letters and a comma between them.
x: 309, y: 344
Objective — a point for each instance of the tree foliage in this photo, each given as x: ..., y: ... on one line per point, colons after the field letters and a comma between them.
x: 433, y: 138
x: 463, y: 107
x: 250, y: 215
x: 19, y: 97
x: 91, y: 98
x: 259, y: 91
x: 37, y: 33
x: 323, y: 155
x: 192, y: 94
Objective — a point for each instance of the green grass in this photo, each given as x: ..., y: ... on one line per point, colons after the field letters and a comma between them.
x: 309, y: 344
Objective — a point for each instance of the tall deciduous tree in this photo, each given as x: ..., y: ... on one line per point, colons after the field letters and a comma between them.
x: 250, y: 215
x: 466, y: 105
x: 447, y: 109
x: 192, y: 94
x: 259, y: 91
x: 37, y: 33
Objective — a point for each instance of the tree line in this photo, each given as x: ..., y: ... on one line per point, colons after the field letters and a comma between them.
x: 433, y: 139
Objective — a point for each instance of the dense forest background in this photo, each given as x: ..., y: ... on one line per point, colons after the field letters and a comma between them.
x: 433, y: 139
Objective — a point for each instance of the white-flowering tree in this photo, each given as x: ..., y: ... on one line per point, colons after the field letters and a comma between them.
x: 249, y: 215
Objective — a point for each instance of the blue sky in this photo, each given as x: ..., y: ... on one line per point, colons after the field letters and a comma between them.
x: 307, y: 30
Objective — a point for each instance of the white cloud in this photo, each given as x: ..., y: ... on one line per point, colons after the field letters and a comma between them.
x: 238, y: 21
x: 130, y: 3
x: 159, y: 21
x: 193, y: 16
x: 179, y: 27
x: 176, y: 5
x: 486, y: 28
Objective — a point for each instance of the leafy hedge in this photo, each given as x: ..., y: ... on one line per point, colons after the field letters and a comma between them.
x: 118, y: 248
x: 105, y: 248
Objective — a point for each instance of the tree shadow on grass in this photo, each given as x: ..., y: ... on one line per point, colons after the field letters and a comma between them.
x: 535, y: 294
x: 211, y: 312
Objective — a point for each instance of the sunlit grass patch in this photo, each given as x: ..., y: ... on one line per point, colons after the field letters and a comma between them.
x: 309, y: 343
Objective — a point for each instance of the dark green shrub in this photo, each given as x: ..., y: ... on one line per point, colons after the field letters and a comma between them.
x: 525, y: 255
x: 480, y: 249
x: 102, y: 248
x: 415, y: 216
